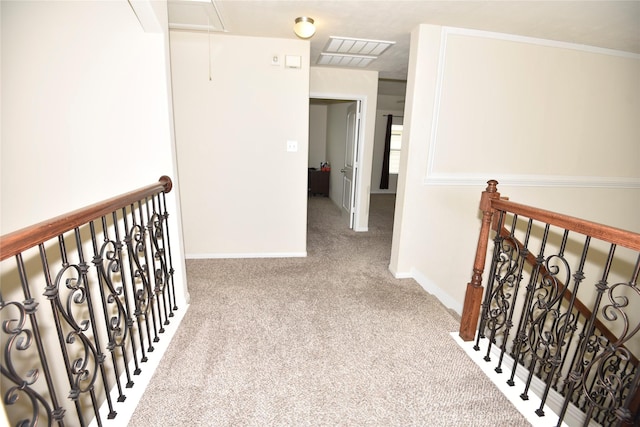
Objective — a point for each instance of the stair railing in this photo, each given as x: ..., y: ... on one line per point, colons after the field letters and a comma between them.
x: 84, y: 298
x: 562, y: 301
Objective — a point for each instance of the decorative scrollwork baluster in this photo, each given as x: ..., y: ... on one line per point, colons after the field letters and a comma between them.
x: 19, y: 338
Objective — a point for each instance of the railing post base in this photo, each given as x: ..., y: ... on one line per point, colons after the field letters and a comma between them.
x: 473, y: 295
x: 471, y: 307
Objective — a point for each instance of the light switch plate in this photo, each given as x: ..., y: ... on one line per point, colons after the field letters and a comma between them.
x: 292, y: 146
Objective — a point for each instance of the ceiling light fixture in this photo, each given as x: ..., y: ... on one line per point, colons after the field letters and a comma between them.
x: 304, y: 27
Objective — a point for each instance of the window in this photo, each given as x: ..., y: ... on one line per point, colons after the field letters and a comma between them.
x: 396, y: 144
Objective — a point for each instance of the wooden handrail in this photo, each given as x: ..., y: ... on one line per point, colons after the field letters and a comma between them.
x: 18, y: 241
x: 617, y: 236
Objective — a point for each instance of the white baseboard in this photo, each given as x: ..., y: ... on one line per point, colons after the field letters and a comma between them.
x: 526, y: 407
x: 431, y: 287
x: 247, y: 255
x: 126, y: 409
x: 573, y: 416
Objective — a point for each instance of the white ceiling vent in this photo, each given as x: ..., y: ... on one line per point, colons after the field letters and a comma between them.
x: 349, y: 45
x: 352, y: 52
x: 342, y: 60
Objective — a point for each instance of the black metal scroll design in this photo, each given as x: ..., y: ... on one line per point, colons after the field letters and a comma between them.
x: 608, y: 379
x: 547, y: 323
x: 20, y: 338
x: 143, y: 294
x: 161, y: 271
x: 107, y: 264
x: 506, y: 275
x: 83, y: 369
x: 547, y: 318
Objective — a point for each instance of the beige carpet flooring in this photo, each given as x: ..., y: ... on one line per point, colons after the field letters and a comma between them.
x: 332, y: 339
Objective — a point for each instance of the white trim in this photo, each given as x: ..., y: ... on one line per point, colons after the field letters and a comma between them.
x: 435, y: 119
x: 432, y: 178
x: 361, y: 145
x: 541, y: 42
x: 431, y: 287
x: 146, y: 16
x: 532, y: 180
x: 247, y: 255
x: 126, y: 409
x: 526, y: 407
x: 555, y: 400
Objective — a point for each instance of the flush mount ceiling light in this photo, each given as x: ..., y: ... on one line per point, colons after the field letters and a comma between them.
x: 304, y: 27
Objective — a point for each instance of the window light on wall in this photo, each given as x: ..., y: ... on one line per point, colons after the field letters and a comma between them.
x: 395, y: 146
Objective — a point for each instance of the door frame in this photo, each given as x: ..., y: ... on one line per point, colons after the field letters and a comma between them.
x: 360, y: 149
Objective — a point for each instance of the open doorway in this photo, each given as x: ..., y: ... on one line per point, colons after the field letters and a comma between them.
x: 334, y: 147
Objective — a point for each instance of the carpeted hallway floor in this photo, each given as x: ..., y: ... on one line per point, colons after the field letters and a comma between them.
x: 332, y: 339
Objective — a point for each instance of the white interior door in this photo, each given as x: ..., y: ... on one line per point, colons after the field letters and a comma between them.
x: 350, y: 170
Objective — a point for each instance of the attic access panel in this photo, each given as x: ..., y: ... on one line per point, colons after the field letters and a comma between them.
x: 198, y: 15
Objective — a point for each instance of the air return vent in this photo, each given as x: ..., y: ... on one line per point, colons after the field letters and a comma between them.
x: 351, y: 52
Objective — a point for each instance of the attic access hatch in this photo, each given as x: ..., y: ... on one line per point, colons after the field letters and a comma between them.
x: 195, y: 15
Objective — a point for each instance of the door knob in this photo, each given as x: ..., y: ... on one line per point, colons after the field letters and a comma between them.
x: 342, y: 170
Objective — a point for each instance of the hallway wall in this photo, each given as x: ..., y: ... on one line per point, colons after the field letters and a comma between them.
x: 555, y: 124
x: 243, y: 193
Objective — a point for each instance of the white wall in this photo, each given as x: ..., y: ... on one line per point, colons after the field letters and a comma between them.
x: 555, y: 123
x: 84, y: 107
x: 353, y: 84
x: 243, y: 194
x: 317, y: 135
x: 85, y: 116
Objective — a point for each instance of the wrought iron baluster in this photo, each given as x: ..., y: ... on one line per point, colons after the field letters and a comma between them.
x: 155, y: 272
x: 580, y: 375
x: 486, y: 303
x: 21, y: 338
x: 161, y: 273
x: 135, y: 245
x: 563, y: 321
x: 97, y: 349
x: 522, y: 338
x: 504, y: 273
x: 33, y: 386
x: 101, y: 255
x: 168, y: 257
x: 147, y: 272
x: 608, y: 385
x: 517, y: 278
x: 127, y: 305
x: 571, y: 326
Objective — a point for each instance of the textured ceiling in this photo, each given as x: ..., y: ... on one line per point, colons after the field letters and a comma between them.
x: 608, y: 24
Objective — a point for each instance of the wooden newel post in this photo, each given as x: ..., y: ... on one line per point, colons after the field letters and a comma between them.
x: 473, y: 295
